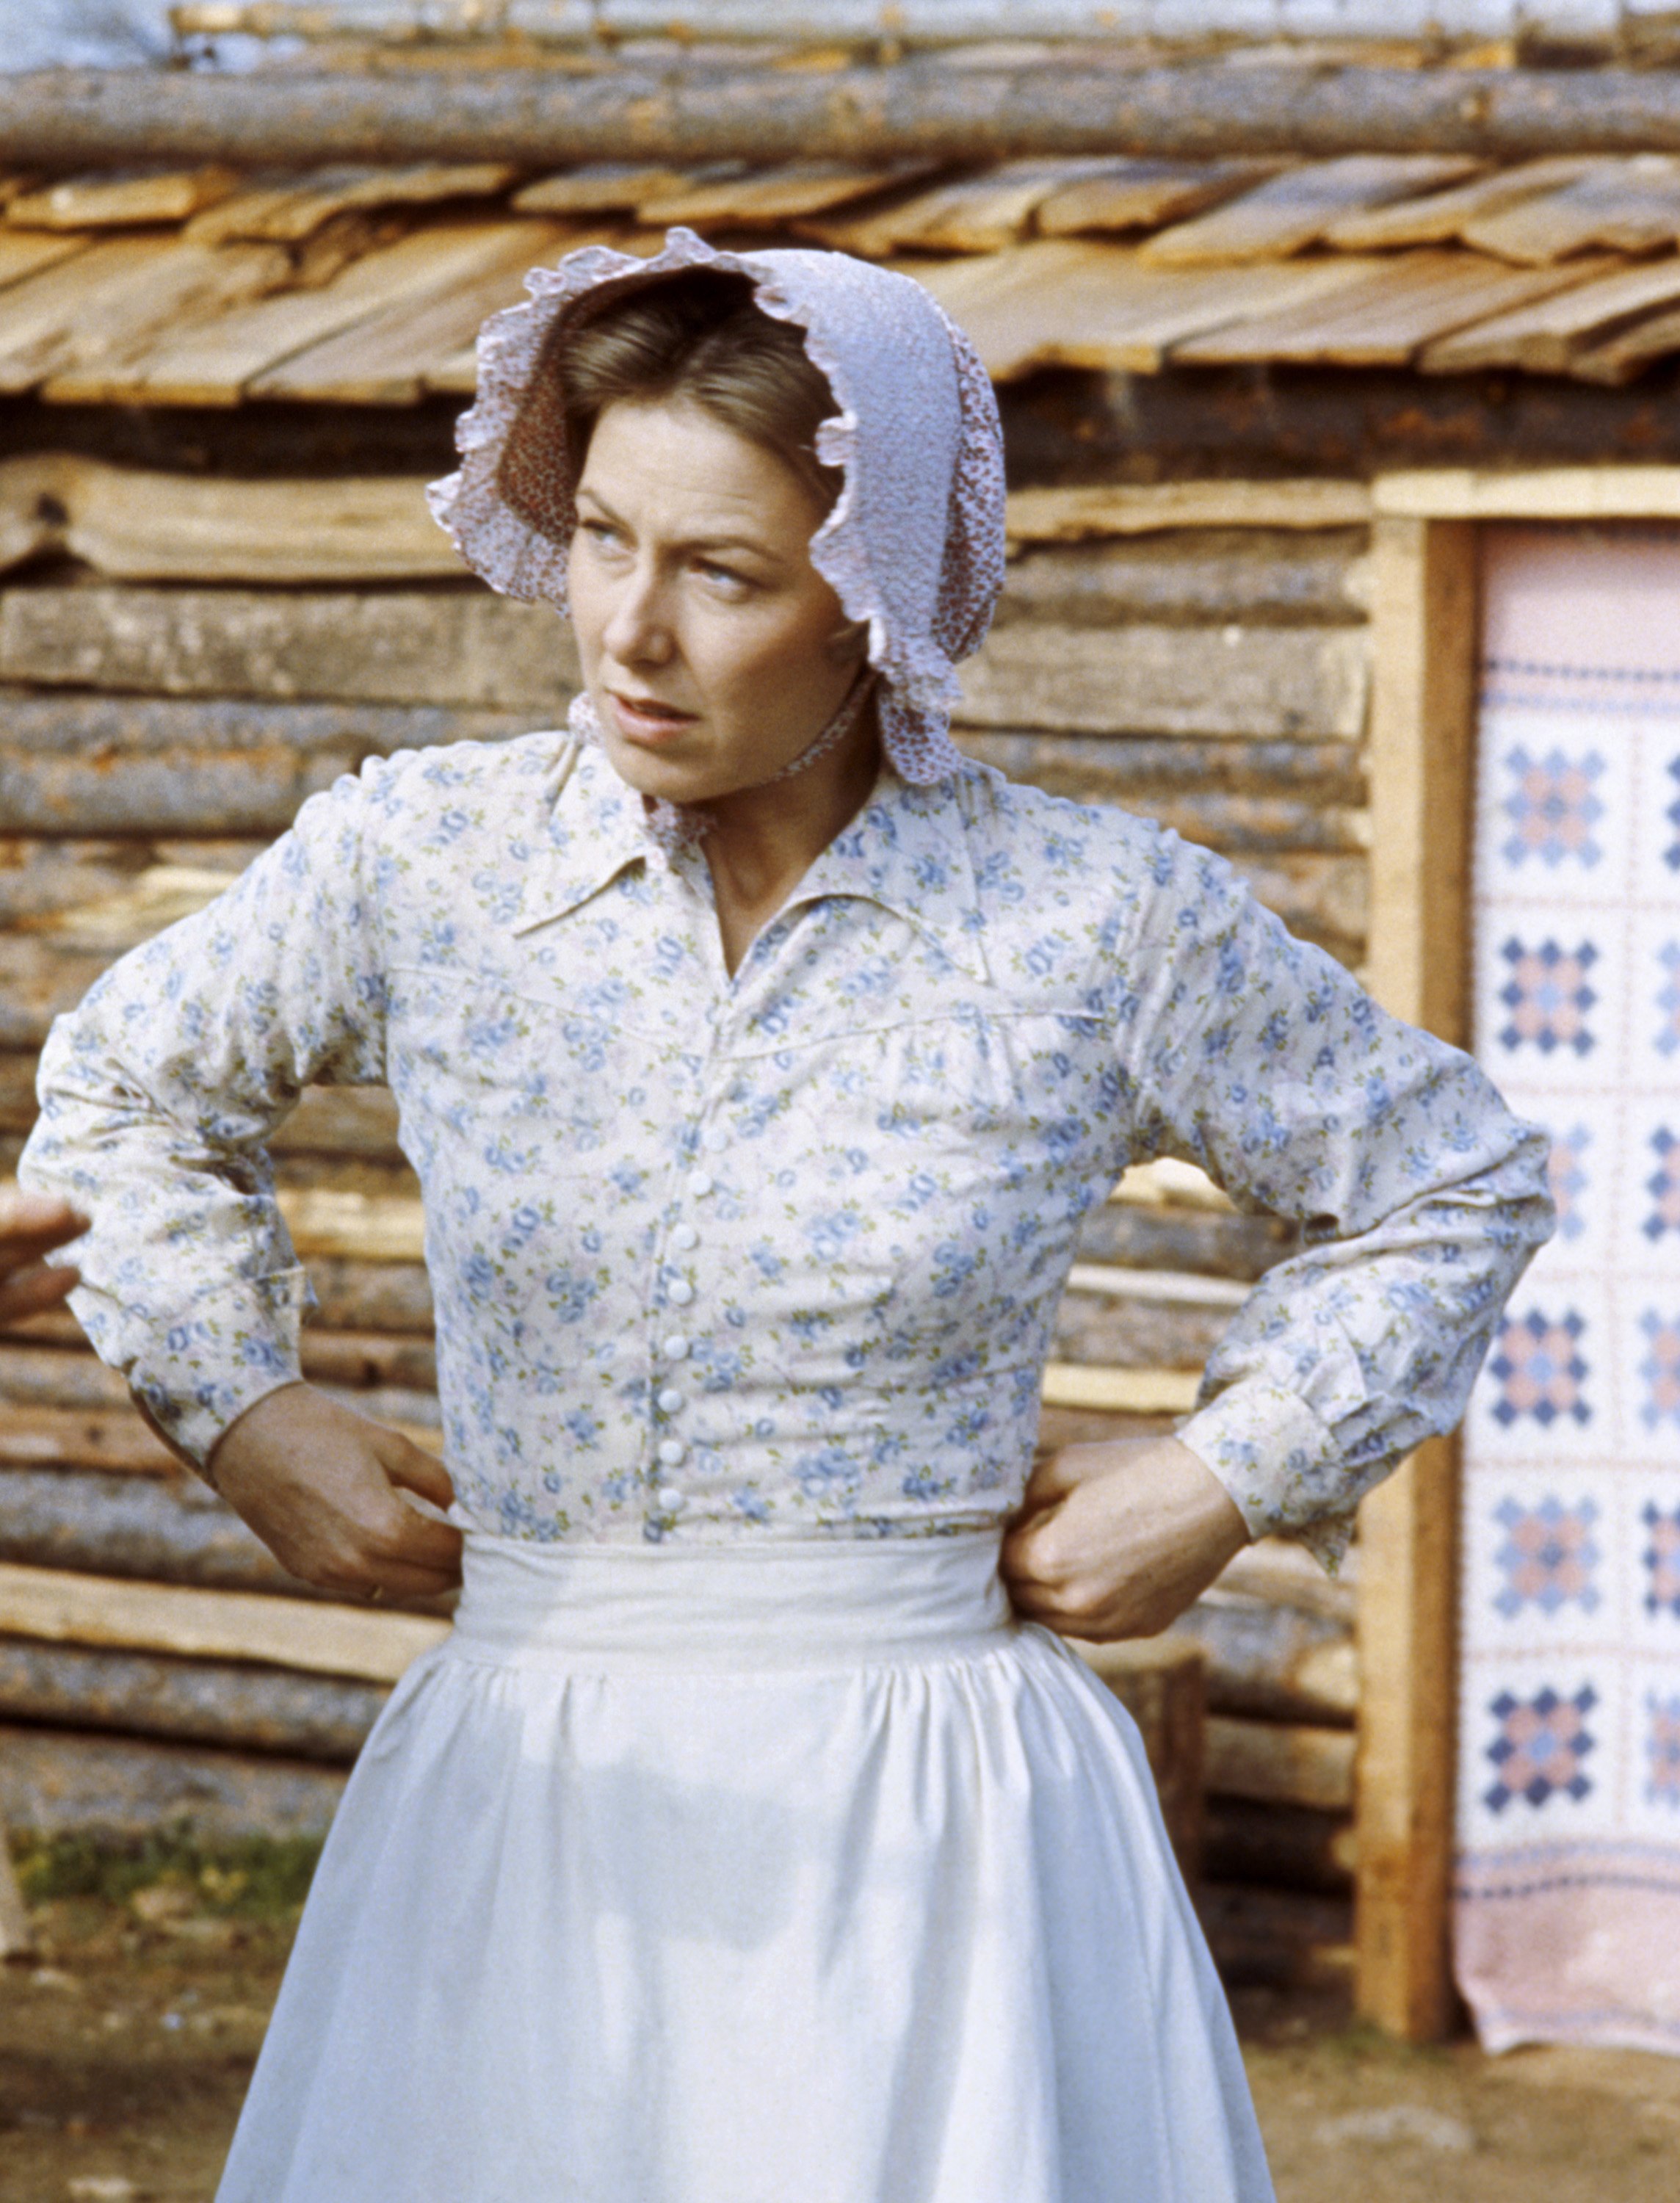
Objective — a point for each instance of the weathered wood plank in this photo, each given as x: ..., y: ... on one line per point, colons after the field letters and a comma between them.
x: 1290, y: 212
x: 1121, y: 1392
x: 321, y: 1717
x: 1067, y: 302
x: 1123, y: 194
x: 1281, y: 1763
x: 785, y: 193
x: 1093, y: 1330
x: 468, y: 647
x: 1422, y: 752
x: 1278, y: 1846
x: 211, y: 364
x: 145, y: 524
x: 95, y: 311
x: 1325, y: 900
x: 1145, y: 777
x: 1439, y: 216
x: 1268, y: 682
x: 1201, y: 577
x: 132, y: 765
x: 169, y: 1529
x: 1276, y: 1939
x: 1079, y: 514
x: 1220, y: 1246
x: 1268, y: 1663
x: 385, y: 359
x: 64, y: 1782
x: 113, y: 1441
x: 357, y: 1295
x: 289, y: 208
x: 1552, y: 492
x: 1419, y: 300
x: 63, y: 1608
x: 1542, y: 337
x: 106, y: 200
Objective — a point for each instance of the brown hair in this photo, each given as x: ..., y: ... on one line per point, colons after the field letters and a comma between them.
x: 702, y: 337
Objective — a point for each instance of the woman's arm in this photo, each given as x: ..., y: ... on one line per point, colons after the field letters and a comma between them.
x: 158, y: 1095
x: 1422, y: 1200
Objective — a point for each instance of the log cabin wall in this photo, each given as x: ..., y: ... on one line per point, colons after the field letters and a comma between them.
x: 159, y: 733
x: 219, y: 588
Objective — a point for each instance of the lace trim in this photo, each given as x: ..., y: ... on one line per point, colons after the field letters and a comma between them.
x: 510, y: 507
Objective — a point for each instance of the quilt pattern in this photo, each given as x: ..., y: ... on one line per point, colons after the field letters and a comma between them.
x: 1567, y: 1903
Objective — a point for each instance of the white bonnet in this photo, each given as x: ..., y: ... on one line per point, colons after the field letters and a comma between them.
x: 915, y: 545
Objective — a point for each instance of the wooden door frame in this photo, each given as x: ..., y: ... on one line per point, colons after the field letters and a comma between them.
x: 1425, y: 651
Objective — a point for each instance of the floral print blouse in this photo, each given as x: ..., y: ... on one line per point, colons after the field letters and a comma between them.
x: 779, y: 1254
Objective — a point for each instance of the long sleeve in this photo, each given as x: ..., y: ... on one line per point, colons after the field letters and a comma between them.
x: 1421, y: 1197
x: 159, y: 1091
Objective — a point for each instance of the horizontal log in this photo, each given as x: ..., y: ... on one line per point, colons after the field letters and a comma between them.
x: 1262, y: 682
x: 75, y: 118
x: 1278, y: 1846
x: 1282, y: 1571
x: 451, y: 646
x: 1277, y: 1939
x: 1091, y: 1328
x: 1121, y: 1391
x: 1273, y: 1662
x: 1194, y: 577
x: 62, y: 1782
x: 1083, y: 512
x: 1281, y: 1763
x: 1325, y: 900
x: 360, y: 1227
x: 132, y: 765
x: 114, y: 1440
x: 149, y: 524
x: 1069, y: 428
x: 196, y: 1701
x: 1242, y: 1248
x: 59, y: 1607
x: 171, y: 1530
x: 346, y: 1359
x: 342, y: 1120
x: 1095, y: 771
x: 357, y: 1295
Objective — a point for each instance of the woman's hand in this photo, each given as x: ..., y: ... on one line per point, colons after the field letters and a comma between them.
x: 320, y: 1485
x: 30, y: 1226
x: 1116, y: 1540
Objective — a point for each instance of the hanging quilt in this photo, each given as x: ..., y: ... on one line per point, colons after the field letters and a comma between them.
x: 1567, y: 1907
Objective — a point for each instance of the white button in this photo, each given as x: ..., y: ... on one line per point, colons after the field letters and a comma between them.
x: 699, y: 1183
x: 670, y: 1400
x: 679, y: 1293
x: 675, y: 1348
x: 671, y: 1451
x: 685, y: 1238
x: 714, y: 1139
x: 670, y: 1498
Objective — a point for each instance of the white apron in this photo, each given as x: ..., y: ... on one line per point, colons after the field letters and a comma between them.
x: 786, y: 1873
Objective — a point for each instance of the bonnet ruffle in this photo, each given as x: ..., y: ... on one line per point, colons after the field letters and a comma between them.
x: 915, y: 545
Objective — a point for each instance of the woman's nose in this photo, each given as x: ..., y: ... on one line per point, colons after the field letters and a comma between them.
x: 638, y: 632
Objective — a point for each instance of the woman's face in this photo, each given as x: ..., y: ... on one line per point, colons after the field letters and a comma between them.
x: 713, y: 650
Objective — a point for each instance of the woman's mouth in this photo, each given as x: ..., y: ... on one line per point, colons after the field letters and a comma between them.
x: 644, y: 718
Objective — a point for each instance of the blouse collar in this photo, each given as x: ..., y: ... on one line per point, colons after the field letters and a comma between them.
x: 906, y: 851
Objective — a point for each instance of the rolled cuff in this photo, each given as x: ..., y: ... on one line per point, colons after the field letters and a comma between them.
x: 1280, y: 1463
x: 199, y: 1374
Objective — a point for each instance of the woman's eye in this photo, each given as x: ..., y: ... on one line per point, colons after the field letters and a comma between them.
x: 602, y: 532
x: 725, y: 576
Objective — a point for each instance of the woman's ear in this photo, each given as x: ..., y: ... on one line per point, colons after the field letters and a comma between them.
x: 848, y: 642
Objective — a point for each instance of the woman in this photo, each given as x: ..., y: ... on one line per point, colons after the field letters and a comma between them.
x: 758, y: 1057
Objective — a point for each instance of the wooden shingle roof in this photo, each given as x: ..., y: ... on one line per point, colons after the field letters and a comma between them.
x: 205, y: 286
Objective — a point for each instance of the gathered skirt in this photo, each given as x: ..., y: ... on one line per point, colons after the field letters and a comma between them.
x: 782, y: 1873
